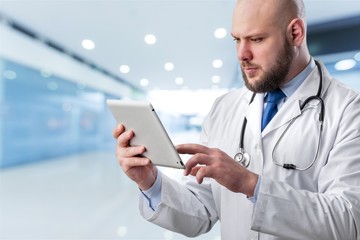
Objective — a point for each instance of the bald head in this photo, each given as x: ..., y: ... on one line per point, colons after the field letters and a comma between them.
x: 291, y: 8
x: 271, y: 41
x: 299, y: 7
x: 281, y: 11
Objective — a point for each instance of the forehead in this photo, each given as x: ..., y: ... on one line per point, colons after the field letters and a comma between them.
x: 253, y: 16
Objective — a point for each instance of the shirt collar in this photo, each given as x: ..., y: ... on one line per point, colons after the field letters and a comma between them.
x: 290, y: 87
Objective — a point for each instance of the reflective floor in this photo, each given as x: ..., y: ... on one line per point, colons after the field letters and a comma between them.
x: 84, y: 196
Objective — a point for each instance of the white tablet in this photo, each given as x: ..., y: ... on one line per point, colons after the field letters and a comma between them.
x: 141, y: 117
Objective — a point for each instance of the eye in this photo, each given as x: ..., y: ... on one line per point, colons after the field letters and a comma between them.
x: 257, y: 40
x: 235, y: 39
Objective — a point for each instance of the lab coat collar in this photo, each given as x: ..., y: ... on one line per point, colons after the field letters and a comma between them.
x: 291, y: 108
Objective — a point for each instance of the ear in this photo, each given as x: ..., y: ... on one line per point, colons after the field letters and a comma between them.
x: 296, y: 31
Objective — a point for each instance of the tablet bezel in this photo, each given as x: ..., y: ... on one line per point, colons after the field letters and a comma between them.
x: 140, y: 116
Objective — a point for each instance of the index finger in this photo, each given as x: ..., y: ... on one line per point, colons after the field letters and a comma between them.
x: 192, y: 148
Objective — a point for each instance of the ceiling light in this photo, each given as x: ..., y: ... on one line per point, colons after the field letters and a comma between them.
x: 144, y: 82
x: 52, y: 86
x: 45, y: 73
x: 345, y: 64
x: 215, y: 79
x: 220, y: 33
x: 169, y: 66
x: 124, y: 68
x: 88, y: 44
x: 357, y: 57
x: 217, y: 63
x: 150, y: 39
x: 179, y: 80
x: 67, y: 107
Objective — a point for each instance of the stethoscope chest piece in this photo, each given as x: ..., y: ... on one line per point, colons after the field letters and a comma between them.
x: 242, y: 158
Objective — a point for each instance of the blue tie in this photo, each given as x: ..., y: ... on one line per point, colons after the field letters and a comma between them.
x: 271, y: 106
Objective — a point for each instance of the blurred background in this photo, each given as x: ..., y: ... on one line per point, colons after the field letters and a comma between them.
x: 61, y: 60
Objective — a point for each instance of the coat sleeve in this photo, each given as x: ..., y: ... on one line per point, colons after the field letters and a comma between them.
x: 182, y: 209
x: 333, y: 212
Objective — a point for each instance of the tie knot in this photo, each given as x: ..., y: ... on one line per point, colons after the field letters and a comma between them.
x: 275, y: 96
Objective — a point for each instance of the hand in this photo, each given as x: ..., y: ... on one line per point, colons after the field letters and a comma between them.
x: 214, y: 163
x: 137, y: 168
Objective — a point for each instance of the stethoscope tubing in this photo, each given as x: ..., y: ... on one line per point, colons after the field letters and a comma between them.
x: 321, y: 120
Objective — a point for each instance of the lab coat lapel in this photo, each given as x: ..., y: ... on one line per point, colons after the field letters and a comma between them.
x: 253, y: 115
x: 291, y: 107
x: 288, y: 111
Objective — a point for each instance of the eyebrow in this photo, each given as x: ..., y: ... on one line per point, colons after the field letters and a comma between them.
x: 250, y: 35
x: 234, y: 36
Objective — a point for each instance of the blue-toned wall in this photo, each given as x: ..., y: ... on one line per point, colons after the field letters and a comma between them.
x: 44, y: 116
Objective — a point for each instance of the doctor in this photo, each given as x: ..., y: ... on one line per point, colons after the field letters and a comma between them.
x: 296, y: 175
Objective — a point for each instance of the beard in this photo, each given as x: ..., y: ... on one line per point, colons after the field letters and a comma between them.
x: 273, y: 78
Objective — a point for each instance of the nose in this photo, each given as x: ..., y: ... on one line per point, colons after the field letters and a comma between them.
x: 244, y: 52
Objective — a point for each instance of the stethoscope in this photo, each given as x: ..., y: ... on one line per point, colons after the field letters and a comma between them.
x: 243, y: 158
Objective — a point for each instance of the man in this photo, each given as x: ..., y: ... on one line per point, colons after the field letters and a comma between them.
x: 303, y: 178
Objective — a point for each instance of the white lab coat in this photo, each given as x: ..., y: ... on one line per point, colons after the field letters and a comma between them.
x: 322, y: 202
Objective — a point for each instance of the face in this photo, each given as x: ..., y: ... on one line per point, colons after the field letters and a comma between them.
x: 274, y: 76
x: 263, y: 50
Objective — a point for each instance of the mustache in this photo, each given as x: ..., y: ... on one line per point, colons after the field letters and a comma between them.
x: 248, y: 65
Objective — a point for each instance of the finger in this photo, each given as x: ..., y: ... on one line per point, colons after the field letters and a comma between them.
x: 202, y: 173
x: 126, y: 152
x: 199, y: 158
x: 128, y: 163
x: 199, y: 172
x: 124, y: 138
x: 194, y: 170
x: 192, y: 148
x: 120, y: 128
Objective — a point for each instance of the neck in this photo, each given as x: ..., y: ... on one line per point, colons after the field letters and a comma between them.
x: 301, y: 60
